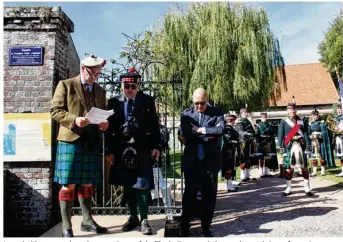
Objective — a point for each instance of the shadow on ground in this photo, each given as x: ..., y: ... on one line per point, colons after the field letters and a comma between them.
x: 260, y: 202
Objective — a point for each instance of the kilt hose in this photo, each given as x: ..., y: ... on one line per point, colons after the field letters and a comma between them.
x: 76, y: 165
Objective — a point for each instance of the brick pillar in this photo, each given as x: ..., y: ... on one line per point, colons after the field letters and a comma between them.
x: 30, y: 194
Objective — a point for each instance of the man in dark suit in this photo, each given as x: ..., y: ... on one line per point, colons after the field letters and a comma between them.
x: 201, y: 126
x: 132, y: 147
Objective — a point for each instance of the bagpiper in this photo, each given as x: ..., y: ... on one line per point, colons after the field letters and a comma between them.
x: 293, y: 139
x: 320, y: 144
x: 265, y: 147
x: 230, y: 152
x: 247, y: 135
x: 336, y: 126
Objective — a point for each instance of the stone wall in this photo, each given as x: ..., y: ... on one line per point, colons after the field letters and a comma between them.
x: 30, y: 195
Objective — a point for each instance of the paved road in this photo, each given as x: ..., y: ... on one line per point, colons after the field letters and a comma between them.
x: 259, y: 210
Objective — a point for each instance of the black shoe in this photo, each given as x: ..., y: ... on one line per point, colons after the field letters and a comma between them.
x: 183, y: 232
x: 132, y: 223
x: 235, y: 190
x: 286, y: 194
x: 264, y: 176
x: 208, y: 233
x: 93, y: 228
x: 310, y: 194
x: 67, y: 233
x: 145, y: 228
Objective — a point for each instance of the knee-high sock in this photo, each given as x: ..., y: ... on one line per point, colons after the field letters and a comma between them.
x: 261, y: 167
x: 288, y: 177
x: 85, y: 198
x: 288, y: 186
x: 142, y: 200
x: 131, y: 200
x: 66, y: 198
x: 314, y: 167
x: 242, y: 174
x: 307, y: 185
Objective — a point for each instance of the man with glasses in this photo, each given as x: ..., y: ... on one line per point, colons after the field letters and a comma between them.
x: 78, y: 158
x: 132, y: 147
x: 201, y: 126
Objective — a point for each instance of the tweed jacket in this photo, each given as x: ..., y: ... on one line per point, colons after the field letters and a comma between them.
x: 69, y: 103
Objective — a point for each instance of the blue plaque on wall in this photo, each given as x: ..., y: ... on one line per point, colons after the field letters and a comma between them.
x: 25, y: 56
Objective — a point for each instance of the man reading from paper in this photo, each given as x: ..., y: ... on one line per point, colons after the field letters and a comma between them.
x: 78, y: 160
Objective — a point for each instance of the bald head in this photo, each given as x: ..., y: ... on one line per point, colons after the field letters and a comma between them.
x: 200, y: 99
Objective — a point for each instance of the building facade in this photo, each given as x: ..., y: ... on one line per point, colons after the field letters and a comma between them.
x: 38, y: 52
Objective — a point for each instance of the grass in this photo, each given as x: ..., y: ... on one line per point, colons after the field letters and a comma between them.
x: 331, y: 174
x: 176, y: 167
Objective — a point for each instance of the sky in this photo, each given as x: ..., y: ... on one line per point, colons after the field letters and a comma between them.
x: 299, y: 26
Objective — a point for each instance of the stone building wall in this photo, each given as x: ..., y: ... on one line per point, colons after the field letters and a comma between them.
x: 30, y: 194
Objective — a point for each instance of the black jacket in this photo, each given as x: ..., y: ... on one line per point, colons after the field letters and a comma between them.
x: 147, y: 138
x: 214, y: 123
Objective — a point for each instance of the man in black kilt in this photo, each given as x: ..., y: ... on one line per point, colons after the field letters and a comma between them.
x: 230, y: 152
x: 78, y: 158
x: 247, y: 132
x: 266, y: 147
x: 132, y: 146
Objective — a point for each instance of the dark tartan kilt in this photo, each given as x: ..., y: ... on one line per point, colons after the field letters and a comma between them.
x: 77, y: 165
x: 140, y: 178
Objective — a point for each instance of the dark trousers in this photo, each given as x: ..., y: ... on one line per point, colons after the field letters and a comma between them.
x: 207, y: 181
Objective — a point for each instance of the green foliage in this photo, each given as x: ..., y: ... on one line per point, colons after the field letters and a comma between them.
x: 330, y: 48
x: 227, y: 48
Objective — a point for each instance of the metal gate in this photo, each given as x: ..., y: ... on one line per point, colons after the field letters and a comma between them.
x: 169, y: 185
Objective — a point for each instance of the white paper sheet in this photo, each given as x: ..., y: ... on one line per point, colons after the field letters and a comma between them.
x: 97, y: 115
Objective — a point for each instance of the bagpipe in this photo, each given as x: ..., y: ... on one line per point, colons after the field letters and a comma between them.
x: 245, y: 138
x: 337, y: 128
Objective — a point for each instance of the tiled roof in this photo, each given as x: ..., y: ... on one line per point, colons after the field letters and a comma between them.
x: 311, y: 84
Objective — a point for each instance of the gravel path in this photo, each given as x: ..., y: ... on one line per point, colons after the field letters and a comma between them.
x: 259, y: 210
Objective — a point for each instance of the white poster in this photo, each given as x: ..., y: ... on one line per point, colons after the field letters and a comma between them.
x: 27, y: 137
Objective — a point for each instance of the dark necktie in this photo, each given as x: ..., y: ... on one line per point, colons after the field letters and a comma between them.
x: 129, y: 108
x: 201, y: 152
x: 87, y: 87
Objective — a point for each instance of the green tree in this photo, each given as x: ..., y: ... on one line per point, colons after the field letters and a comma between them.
x: 227, y: 48
x: 330, y: 49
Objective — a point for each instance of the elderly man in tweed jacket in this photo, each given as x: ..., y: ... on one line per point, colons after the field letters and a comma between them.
x: 78, y: 160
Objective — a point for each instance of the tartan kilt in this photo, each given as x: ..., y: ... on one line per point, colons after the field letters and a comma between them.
x: 287, y: 159
x: 77, y: 165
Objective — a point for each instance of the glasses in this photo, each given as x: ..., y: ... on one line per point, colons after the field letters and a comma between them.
x: 199, y: 103
x: 91, y: 73
x: 132, y: 86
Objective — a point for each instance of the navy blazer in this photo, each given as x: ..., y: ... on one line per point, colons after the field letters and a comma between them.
x: 214, y: 125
